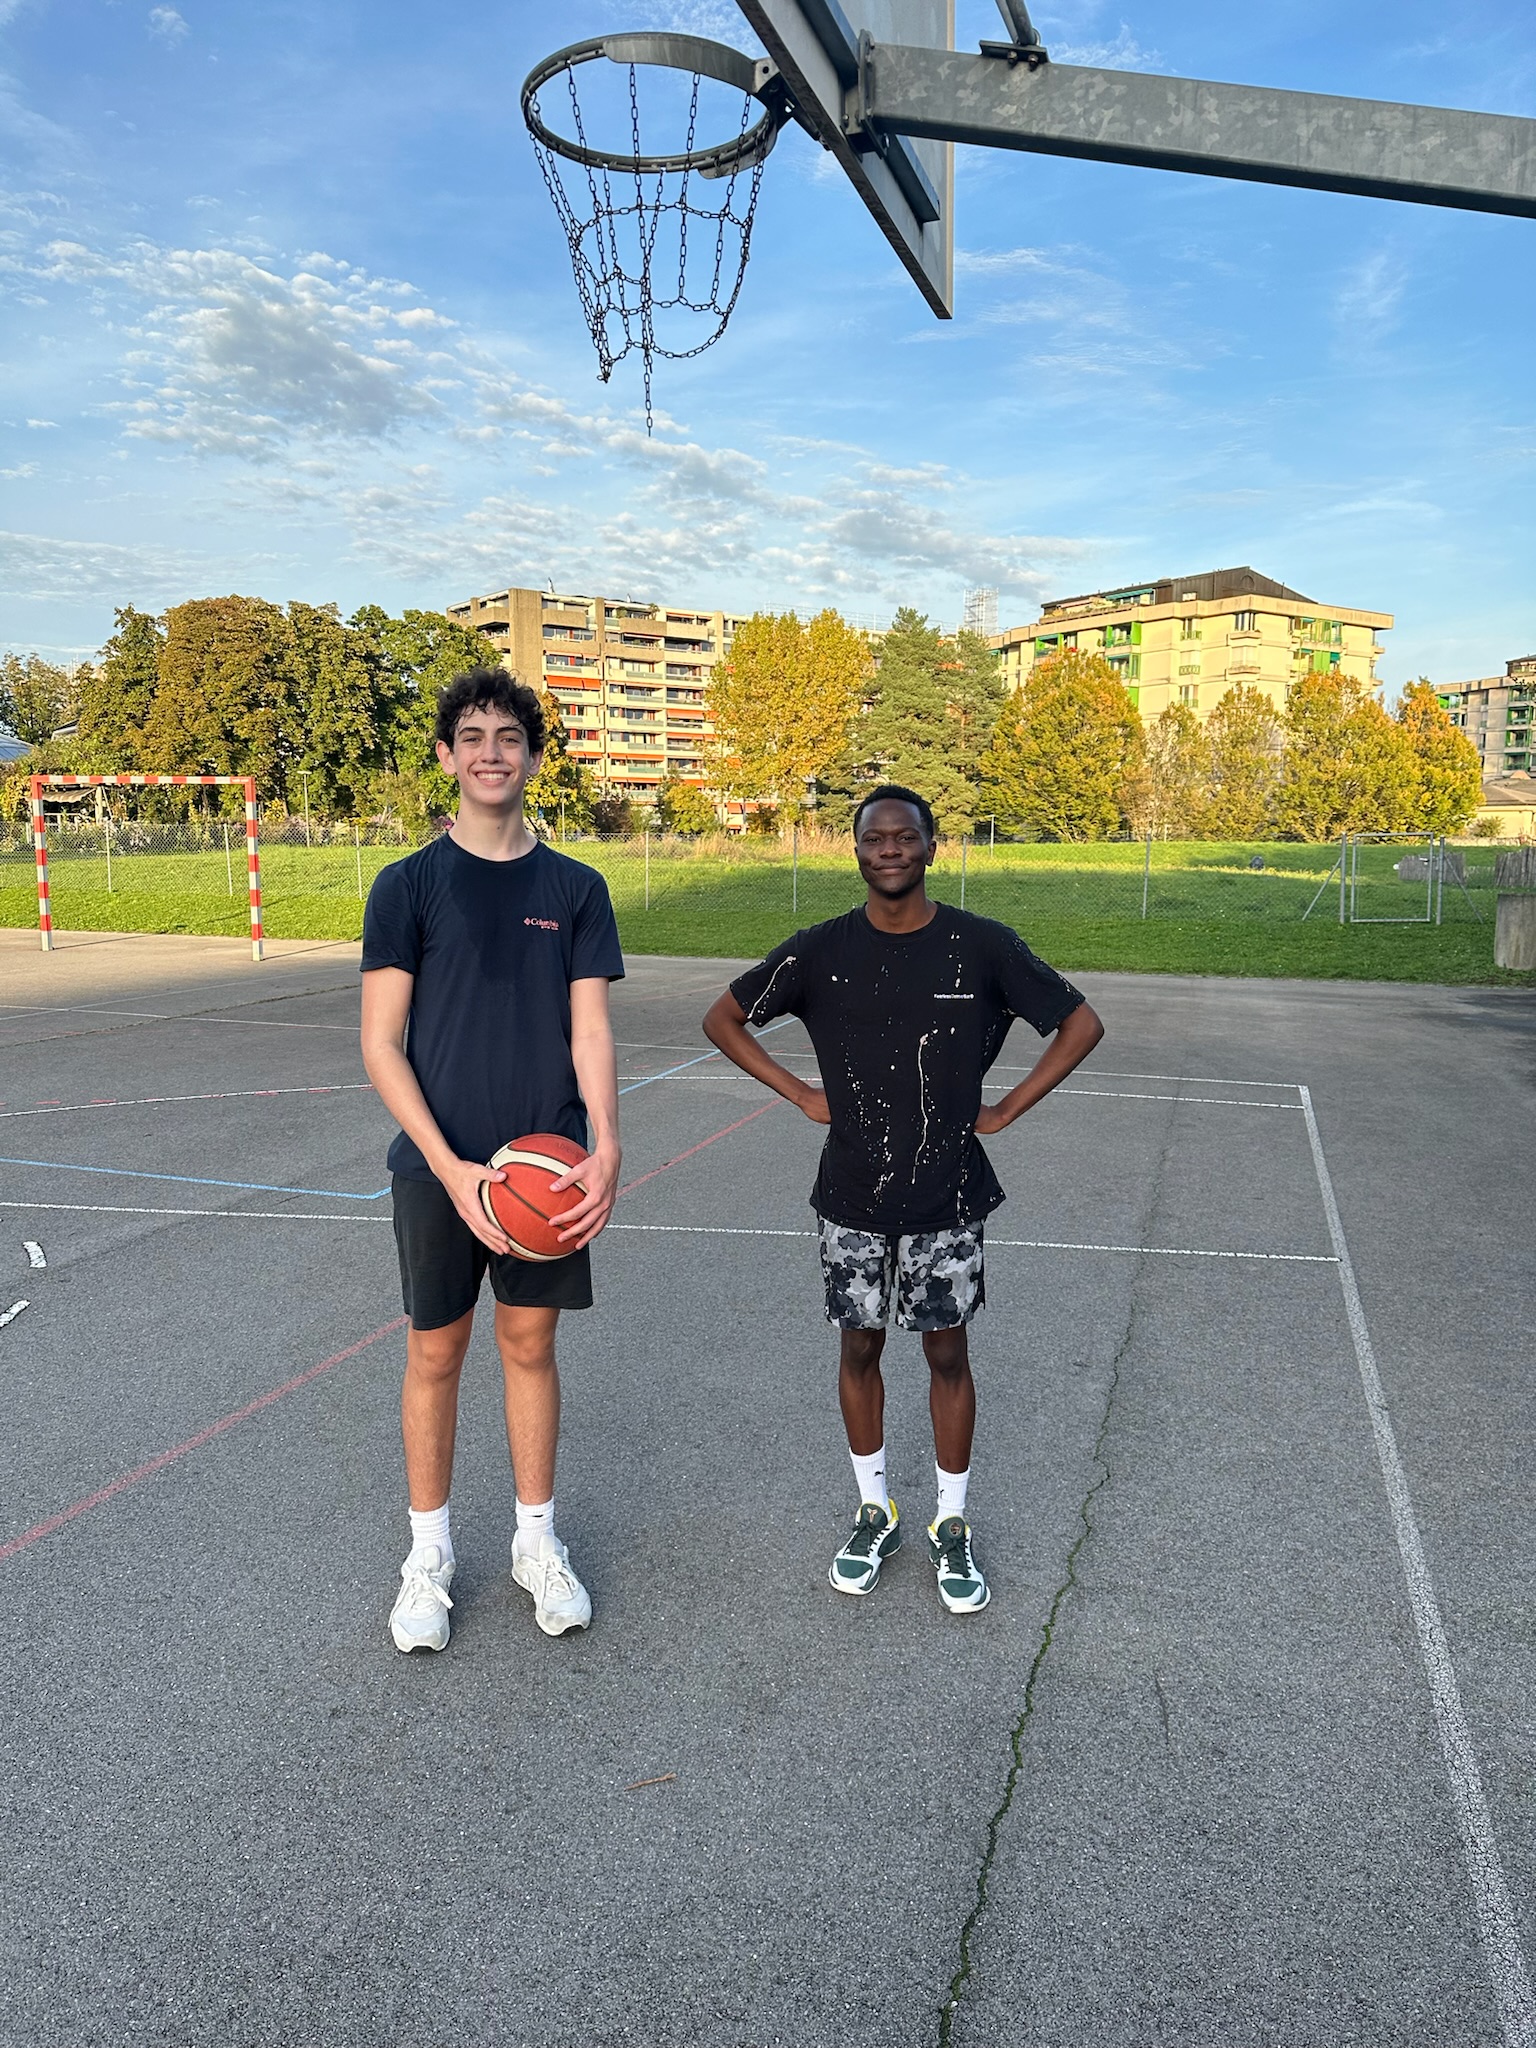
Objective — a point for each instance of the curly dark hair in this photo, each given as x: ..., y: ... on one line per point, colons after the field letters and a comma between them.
x: 894, y: 792
x: 488, y: 689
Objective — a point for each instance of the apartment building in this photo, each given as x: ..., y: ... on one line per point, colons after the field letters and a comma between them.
x: 1496, y: 714
x: 631, y: 679
x: 1189, y: 639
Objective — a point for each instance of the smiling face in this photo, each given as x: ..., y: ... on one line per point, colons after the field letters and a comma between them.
x: 893, y: 848
x: 490, y: 761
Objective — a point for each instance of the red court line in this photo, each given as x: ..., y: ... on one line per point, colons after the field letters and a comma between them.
x: 630, y: 1186
x: 193, y: 1443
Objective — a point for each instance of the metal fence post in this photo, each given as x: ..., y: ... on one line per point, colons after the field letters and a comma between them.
x: 229, y: 865
x: 794, y: 868
x: 1343, y: 873
x: 106, y: 827
x: 646, y: 838
x: 1146, y: 876
x: 964, y: 845
x: 357, y: 839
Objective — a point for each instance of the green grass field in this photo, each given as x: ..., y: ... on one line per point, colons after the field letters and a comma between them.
x: 1209, y: 911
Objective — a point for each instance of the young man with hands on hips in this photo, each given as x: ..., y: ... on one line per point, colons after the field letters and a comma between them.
x: 907, y: 1003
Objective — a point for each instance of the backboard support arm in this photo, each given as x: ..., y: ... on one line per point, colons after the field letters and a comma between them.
x: 1379, y: 149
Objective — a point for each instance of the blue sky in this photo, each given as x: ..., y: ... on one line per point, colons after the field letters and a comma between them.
x: 288, y: 312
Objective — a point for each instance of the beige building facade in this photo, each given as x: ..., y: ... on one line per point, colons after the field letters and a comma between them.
x: 631, y: 679
x: 1497, y: 714
x: 1188, y: 639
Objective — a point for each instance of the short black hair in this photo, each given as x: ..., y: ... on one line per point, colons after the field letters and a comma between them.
x: 894, y: 792
x: 486, y: 689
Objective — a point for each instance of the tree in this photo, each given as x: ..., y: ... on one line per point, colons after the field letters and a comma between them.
x: 412, y: 658
x: 783, y: 702
x: 225, y: 702
x: 36, y: 697
x: 685, y: 808
x: 1067, y: 751
x: 117, y: 693
x: 614, y: 814
x: 1242, y: 734
x: 1449, y: 779
x: 935, y: 704
x: 1169, y: 792
x: 563, y: 787
x: 1347, y: 766
x: 332, y: 690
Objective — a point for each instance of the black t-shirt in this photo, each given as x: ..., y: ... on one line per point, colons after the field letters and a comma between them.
x: 494, y: 946
x: 905, y: 1027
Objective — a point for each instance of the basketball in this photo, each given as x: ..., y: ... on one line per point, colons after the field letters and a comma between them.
x: 522, y: 1204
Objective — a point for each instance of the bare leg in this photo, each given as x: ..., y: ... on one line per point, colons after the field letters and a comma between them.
x: 525, y: 1338
x: 429, y: 1408
x: 951, y: 1396
x: 861, y: 1390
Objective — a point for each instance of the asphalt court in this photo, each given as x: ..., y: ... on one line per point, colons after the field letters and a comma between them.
x: 1192, y: 1777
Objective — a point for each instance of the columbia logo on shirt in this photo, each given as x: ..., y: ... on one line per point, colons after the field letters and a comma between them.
x: 949, y: 995
x: 544, y: 924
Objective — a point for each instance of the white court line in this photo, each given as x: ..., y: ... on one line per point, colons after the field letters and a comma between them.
x: 1108, y: 1094
x: 220, y: 1095
x: 13, y: 1312
x: 1496, y: 1920
x: 1041, y: 1244
x: 172, y: 1016
x: 34, y: 1252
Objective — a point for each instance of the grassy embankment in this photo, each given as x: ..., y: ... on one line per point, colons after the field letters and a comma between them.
x: 1209, y: 912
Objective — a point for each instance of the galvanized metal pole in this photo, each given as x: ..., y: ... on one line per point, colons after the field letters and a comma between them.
x: 964, y: 846
x: 1146, y: 877
x: 357, y: 841
x: 646, y: 838
x: 794, y: 868
x: 1343, y: 866
x: 1380, y: 149
x: 229, y: 865
x: 106, y: 826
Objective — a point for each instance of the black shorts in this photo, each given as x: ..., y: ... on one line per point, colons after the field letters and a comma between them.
x: 442, y: 1263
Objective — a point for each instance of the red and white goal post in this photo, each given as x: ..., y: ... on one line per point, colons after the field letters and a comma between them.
x: 40, y: 832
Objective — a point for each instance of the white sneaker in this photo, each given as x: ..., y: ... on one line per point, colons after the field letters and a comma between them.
x: 419, y: 1618
x: 542, y: 1566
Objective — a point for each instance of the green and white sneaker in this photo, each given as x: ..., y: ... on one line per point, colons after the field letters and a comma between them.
x: 875, y: 1535
x: 962, y: 1586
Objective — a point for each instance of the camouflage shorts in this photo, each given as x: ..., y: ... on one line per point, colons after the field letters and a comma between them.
x: 937, y: 1276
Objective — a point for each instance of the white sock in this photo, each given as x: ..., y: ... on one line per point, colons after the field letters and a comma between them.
x: 952, y: 1487
x: 534, y: 1522
x: 430, y: 1525
x: 870, y: 1473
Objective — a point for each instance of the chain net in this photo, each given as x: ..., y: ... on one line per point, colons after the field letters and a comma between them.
x: 649, y: 243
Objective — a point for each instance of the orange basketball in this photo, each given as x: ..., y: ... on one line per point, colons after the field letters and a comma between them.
x: 522, y: 1204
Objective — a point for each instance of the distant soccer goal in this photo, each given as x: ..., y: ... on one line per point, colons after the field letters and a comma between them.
x: 107, y: 864
x: 1376, y: 871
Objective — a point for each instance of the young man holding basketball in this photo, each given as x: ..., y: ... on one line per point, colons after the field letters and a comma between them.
x: 486, y: 963
x: 907, y: 1003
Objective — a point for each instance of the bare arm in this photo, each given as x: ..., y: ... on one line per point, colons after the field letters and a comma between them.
x: 597, y: 1072
x: 725, y: 1026
x: 386, y: 1012
x: 1073, y: 1040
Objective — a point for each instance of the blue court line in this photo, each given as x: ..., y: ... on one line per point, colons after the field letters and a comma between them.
x: 196, y: 1180
x: 263, y: 1187
x: 667, y: 1072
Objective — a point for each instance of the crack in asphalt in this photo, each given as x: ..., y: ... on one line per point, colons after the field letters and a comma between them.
x: 950, y: 2010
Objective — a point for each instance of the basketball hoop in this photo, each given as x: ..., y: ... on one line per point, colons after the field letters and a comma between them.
x: 643, y: 240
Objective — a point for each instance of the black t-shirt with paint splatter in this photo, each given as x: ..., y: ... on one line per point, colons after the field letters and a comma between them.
x: 905, y: 1027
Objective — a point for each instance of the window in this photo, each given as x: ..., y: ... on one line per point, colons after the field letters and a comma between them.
x: 1245, y: 622
x: 1189, y: 629
x: 1189, y: 693
x: 569, y: 633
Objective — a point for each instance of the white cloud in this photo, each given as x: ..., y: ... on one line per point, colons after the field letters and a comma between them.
x: 42, y: 423
x: 166, y: 23
x: 36, y: 565
x: 1121, y: 53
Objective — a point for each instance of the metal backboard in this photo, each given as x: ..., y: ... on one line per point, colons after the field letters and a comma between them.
x: 907, y: 183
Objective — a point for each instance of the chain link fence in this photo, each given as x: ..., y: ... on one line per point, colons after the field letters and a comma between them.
x: 730, y: 895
